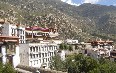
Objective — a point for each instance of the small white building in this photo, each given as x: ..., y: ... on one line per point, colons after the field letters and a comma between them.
x: 69, y: 41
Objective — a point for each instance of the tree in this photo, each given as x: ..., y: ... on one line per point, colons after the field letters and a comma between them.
x: 57, y: 63
x: 84, y: 63
x: 7, y: 68
x: 70, y: 48
x: 107, y: 66
x: 64, y: 46
x: 1, y: 67
x: 78, y: 63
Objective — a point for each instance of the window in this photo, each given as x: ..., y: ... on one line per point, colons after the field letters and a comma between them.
x: 46, y: 59
x: 23, y: 37
x: 36, y: 49
x: 42, y: 49
x: 33, y: 49
x: 30, y: 49
x: 45, y: 54
x: 39, y: 49
x: 20, y: 41
x: 20, y: 37
x: 50, y: 53
x: 45, y: 48
x: 23, y: 32
x: 43, y: 60
x: 33, y: 55
x: 40, y: 60
x: 30, y: 55
x: 37, y: 55
x: 12, y: 30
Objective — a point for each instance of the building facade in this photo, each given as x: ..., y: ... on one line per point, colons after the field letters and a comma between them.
x: 14, y: 30
x: 9, y: 50
x: 41, y: 44
x: 9, y: 43
x: 37, y: 54
x: 98, y: 48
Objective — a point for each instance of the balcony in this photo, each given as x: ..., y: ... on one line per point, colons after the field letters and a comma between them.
x: 10, y: 52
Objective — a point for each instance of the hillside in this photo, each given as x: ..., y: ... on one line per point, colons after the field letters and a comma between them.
x: 82, y: 22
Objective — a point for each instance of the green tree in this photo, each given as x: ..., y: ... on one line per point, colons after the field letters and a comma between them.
x: 7, y: 68
x: 70, y: 48
x: 1, y: 67
x: 57, y: 63
x: 65, y: 46
x: 84, y: 63
x: 78, y: 63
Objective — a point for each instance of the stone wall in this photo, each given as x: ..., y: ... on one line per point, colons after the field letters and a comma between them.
x: 24, y: 54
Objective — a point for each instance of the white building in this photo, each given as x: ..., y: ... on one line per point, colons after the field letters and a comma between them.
x: 69, y: 41
x: 74, y: 44
x: 98, y: 48
x: 14, y: 30
x: 37, y: 54
x: 40, y: 46
x: 9, y: 42
x: 9, y: 50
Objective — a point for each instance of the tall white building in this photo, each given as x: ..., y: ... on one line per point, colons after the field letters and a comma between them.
x: 37, y: 54
x: 41, y: 45
x: 9, y: 42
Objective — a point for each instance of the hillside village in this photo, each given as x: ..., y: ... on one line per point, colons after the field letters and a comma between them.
x: 35, y: 46
x: 33, y: 33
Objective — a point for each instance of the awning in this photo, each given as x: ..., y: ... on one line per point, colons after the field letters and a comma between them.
x: 14, y: 37
x: 36, y: 31
x: 33, y: 31
x: 10, y: 40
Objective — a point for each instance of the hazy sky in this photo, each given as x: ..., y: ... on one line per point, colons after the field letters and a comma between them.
x: 102, y: 2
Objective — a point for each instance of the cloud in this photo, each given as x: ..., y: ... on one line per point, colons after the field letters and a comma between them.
x: 91, y: 1
x: 70, y: 2
x: 63, y: 0
x: 114, y: 4
x: 83, y: 1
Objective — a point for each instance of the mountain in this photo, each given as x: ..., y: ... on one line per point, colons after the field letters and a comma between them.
x: 74, y: 22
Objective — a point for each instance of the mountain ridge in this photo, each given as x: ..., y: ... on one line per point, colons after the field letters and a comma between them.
x: 74, y: 22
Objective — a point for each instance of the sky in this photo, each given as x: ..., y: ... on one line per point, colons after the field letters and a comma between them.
x: 102, y: 2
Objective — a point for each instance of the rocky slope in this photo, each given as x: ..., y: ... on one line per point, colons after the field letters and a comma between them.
x: 82, y: 22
